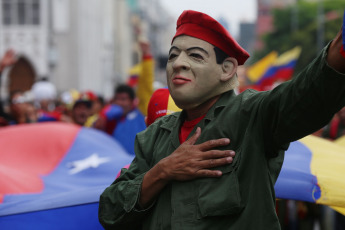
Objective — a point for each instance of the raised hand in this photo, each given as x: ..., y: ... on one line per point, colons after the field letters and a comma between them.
x: 8, y: 59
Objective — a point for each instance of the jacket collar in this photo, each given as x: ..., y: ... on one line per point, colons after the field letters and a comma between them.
x: 175, y: 120
x: 223, y: 101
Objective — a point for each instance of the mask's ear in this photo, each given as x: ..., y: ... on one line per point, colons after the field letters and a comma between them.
x: 229, y: 67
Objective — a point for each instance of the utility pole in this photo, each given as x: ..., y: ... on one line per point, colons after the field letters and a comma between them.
x: 294, y: 17
x: 320, y: 25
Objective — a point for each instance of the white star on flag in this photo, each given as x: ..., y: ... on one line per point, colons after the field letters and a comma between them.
x: 92, y: 161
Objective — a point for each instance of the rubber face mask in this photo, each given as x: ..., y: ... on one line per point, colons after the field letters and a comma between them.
x: 193, y: 74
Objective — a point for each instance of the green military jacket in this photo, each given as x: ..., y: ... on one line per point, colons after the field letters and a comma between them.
x: 260, y: 126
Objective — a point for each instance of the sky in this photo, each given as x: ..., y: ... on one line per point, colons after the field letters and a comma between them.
x: 233, y: 11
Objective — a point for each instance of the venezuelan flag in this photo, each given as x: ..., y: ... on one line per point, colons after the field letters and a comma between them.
x: 52, y: 173
x: 257, y: 70
x: 313, y: 171
x: 281, y: 70
x: 134, y: 74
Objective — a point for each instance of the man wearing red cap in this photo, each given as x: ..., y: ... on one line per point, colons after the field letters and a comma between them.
x: 160, y: 104
x: 223, y: 176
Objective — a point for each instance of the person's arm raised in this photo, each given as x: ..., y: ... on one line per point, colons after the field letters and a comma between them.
x: 7, y: 60
x: 187, y: 162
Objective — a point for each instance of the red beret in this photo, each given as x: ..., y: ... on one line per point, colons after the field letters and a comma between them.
x: 204, y: 27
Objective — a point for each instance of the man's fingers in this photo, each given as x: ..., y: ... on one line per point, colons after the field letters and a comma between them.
x: 195, y: 136
x: 211, y: 163
x: 214, y: 143
x: 209, y: 173
x: 215, y: 154
x: 207, y: 166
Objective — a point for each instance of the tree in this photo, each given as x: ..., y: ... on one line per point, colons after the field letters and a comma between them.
x: 297, y: 25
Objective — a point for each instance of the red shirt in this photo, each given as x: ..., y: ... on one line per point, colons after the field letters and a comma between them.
x: 187, y: 127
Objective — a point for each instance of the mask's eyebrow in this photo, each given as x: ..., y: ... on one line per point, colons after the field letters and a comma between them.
x: 189, y: 49
x: 172, y: 48
x: 198, y: 48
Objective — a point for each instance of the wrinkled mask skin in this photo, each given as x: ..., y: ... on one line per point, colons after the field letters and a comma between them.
x: 193, y: 74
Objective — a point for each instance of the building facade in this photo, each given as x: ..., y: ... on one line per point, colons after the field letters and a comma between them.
x: 24, y: 28
x: 79, y: 44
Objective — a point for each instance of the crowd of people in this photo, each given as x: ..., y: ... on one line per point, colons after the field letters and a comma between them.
x: 122, y: 116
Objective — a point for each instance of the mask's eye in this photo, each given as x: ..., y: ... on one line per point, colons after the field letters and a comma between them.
x: 172, y: 56
x: 196, y: 56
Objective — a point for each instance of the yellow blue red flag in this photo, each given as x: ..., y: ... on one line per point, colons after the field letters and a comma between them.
x: 281, y: 70
x: 257, y: 70
x: 313, y: 171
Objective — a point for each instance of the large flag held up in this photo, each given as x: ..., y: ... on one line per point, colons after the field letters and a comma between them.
x: 52, y: 174
x: 313, y: 171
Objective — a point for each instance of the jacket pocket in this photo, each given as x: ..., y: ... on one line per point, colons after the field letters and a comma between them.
x: 220, y: 196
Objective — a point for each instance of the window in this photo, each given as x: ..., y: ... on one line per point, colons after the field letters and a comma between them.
x: 6, y: 12
x: 21, y: 12
x: 35, y: 7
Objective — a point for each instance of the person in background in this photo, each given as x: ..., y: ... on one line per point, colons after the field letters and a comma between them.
x: 45, y: 99
x: 45, y: 95
x: 160, y: 104
x: 65, y: 102
x: 82, y: 109
x: 121, y: 119
x: 222, y: 177
x: 8, y: 59
x: 336, y: 128
x: 97, y: 106
x: 31, y: 113
x: 18, y: 108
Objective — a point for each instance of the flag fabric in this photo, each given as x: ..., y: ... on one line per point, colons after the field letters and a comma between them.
x: 281, y: 70
x: 44, y: 116
x: 341, y: 142
x: 134, y: 73
x: 313, y: 171
x: 52, y: 174
x: 257, y: 70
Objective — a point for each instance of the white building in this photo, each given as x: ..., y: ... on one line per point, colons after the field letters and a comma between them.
x: 79, y: 44
x: 24, y: 27
x: 89, y: 46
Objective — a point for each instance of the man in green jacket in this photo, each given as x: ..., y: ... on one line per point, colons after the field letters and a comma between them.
x: 214, y: 165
